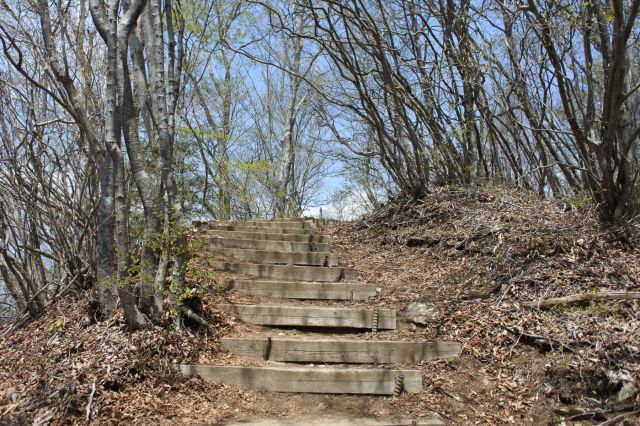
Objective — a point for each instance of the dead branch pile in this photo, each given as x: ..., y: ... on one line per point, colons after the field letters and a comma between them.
x: 518, y: 240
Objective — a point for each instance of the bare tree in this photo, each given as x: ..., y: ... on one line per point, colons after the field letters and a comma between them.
x: 605, y: 135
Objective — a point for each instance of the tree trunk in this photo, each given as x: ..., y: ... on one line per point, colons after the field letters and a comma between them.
x: 225, y: 179
x: 286, y: 172
x: 106, y: 21
x: 107, y: 280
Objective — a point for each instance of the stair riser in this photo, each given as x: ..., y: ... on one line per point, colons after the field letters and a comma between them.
x: 289, y: 246
x: 340, y: 351
x: 305, y: 290
x: 288, y: 273
x: 263, y: 225
x: 302, y: 224
x: 279, y: 257
x: 241, y: 235
x: 331, y: 421
x: 311, y: 380
x: 308, y: 295
x: 286, y: 316
x: 242, y: 228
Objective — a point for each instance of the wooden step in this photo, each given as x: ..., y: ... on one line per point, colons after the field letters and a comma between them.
x: 297, y: 224
x: 298, y: 238
x: 304, y: 290
x: 340, y: 350
x: 286, y: 272
x: 312, y: 380
x: 293, y: 316
x: 271, y: 245
x: 256, y: 229
x: 278, y: 257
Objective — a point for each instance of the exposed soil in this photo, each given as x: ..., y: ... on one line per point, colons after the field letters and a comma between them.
x: 475, y: 259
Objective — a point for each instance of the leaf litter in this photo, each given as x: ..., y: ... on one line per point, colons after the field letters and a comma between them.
x: 477, y: 260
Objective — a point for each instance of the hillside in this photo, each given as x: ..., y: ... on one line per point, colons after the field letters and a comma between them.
x: 479, y: 262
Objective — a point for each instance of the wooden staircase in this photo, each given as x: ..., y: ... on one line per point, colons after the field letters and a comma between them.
x: 286, y: 260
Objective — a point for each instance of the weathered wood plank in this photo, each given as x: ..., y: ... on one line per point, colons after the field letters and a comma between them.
x: 298, y: 238
x: 271, y: 245
x: 311, y: 380
x: 246, y: 228
x: 279, y: 257
x: 305, y: 290
x: 292, y: 316
x: 297, y: 224
x: 286, y: 272
x: 340, y: 350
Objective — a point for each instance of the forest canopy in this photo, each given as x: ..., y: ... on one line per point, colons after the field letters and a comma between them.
x: 122, y: 120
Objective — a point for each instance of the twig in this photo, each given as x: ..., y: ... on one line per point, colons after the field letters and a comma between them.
x: 619, y: 417
x: 546, y: 343
x: 590, y: 415
x: 577, y: 298
x: 90, y: 402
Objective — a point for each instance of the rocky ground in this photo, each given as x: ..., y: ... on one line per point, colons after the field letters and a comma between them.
x: 483, y: 267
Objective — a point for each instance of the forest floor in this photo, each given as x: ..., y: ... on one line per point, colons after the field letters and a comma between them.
x: 478, y: 261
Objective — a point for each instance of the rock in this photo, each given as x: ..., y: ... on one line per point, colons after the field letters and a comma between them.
x: 628, y: 390
x: 419, y: 313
